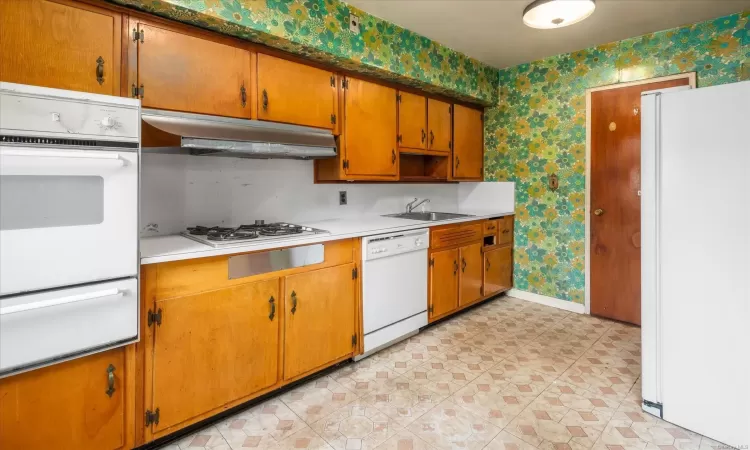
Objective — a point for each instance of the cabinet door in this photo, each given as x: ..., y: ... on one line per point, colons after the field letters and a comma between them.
x: 370, y: 129
x: 444, y: 267
x: 59, y: 46
x: 439, y: 125
x: 319, y: 318
x: 505, y: 233
x: 468, y: 148
x: 187, y: 73
x: 471, y: 274
x: 213, y: 348
x: 295, y: 93
x: 412, y: 120
x: 66, y: 406
x: 498, y: 270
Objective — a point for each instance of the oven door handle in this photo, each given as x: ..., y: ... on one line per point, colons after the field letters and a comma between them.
x: 86, y: 155
x: 114, y: 292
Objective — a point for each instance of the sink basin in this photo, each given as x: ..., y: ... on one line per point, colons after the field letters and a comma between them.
x: 428, y: 216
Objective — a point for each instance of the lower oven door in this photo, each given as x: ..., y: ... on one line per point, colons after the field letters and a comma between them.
x: 66, y: 217
x: 47, y: 327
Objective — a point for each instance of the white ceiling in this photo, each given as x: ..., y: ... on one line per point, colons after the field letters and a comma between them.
x: 492, y: 30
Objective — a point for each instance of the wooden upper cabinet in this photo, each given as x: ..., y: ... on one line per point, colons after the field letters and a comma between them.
x: 60, y: 45
x: 468, y: 146
x: 439, y: 125
x: 182, y: 72
x: 498, y: 270
x: 412, y: 120
x: 443, y: 292
x: 66, y: 406
x: 296, y: 93
x: 471, y: 274
x: 212, y: 348
x: 370, y: 129
x: 319, y: 318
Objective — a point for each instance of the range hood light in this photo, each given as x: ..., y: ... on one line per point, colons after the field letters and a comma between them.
x: 546, y: 14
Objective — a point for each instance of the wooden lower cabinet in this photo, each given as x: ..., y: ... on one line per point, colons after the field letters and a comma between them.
x: 213, y: 348
x: 66, y: 406
x: 470, y: 279
x: 443, y: 292
x: 498, y: 270
x: 320, y: 313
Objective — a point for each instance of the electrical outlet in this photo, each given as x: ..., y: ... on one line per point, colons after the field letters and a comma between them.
x: 353, y: 23
x: 342, y: 197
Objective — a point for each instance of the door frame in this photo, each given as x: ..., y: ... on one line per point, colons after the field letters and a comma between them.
x: 691, y: 77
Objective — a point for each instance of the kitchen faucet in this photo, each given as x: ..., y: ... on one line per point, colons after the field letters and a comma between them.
x: 411, y: 206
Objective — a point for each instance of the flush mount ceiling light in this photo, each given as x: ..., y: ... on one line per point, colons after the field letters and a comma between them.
x: 547, y: 14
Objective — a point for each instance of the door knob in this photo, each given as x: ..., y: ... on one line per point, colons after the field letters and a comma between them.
x: 598, y: 212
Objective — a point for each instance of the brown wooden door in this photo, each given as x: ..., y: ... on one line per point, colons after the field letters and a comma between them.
x: 319, y: 318
x: 439, y: 125
x: 295, y: 93
x: 370, y: 129
x: 213, y: 348
x: 444, y: 268
x: 615, y: 203
x: 65, y: 406
x: 412, y: 120
x: 470, y: 280
x: 505, y: 233
x: 468, y: 148
x: 58, y: 45
x: 181, y: 72
x: 498, y: 270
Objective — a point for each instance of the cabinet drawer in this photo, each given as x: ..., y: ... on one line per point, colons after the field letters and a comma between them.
x: 455, y: 235
x: 490, y: 227
x: 505, y: 232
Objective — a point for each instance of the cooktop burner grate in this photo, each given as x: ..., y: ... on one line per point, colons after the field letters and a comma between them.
x: 247, y: 232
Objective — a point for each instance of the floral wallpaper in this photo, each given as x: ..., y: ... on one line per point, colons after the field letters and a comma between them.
x: 539, y: 127
x: 319, y: 29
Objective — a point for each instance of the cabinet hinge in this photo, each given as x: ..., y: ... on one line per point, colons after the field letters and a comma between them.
x: 398, y: 98
x: 450, y: 145
x: 345, y: 83
x: 450, y: 109
x: 152, y: 417
x: 138, y: 35
x: 333, y: 81
x: 432, y: 262
x: 399, y: 138
x: 354, y: 340
x: 154, y: 317
x: 355, y: 273
x: 431, y: 309
x: 346, y: 164
x: 333, y: 119
x: 136, y: 91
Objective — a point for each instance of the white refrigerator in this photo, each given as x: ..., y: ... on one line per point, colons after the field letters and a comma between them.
x: 695, y: 225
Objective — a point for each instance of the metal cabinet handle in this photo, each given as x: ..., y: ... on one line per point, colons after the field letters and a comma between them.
x: 393, y: 156
x: 455, y: 267
x: 273, y: 308
x: 463, y: 265
x: 243, y: 95
x: 100, y: 70
x: 488, y: 265
x: 432, y: 138
x: 110, y: 381
x: 458, y: 161
x: 506, y: 231
x: 423, y: 135
x: 265, y: 100
x: 294, y: 302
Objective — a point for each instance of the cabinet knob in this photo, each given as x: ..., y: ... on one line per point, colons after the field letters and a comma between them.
x: 598, y: 212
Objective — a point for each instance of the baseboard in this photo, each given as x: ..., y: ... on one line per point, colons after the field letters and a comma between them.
x: 547, y: 301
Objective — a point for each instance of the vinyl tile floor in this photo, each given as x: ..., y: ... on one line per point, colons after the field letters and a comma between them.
x: 507, y: 375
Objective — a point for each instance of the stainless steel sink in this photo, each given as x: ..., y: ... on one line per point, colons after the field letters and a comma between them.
x: 428, y: 216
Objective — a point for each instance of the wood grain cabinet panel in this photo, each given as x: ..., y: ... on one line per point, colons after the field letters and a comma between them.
x: 439, y: 118
x: 505, y: 233
x: 443, y: 292
x: 370, y: 129
x: 296, y: 93
x: 468, y: 148
x: 471, y: 278
x: 320, y: 316
x: 66, y: 406
x: 181, y: 72
x: 412, y: 120
x: 213, y: 348
x: 498, y: 270
x: 59, y: 45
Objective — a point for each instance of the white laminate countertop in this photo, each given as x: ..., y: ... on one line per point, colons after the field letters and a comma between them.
x: 158, y: 249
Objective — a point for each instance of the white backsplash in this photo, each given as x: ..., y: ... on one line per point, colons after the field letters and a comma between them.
x: 179, y: 191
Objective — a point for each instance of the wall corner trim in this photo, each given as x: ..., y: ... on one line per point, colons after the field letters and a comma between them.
x: 547, y: 301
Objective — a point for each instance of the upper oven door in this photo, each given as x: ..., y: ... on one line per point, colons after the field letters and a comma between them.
x: 67, y: 216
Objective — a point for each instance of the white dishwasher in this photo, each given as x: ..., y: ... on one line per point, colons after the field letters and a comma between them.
x: 394, y: 287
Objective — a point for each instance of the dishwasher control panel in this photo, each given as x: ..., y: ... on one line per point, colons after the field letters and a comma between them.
x: 382, y: 246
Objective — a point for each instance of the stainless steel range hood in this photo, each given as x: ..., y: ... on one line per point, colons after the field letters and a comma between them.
x: 196, y: 134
